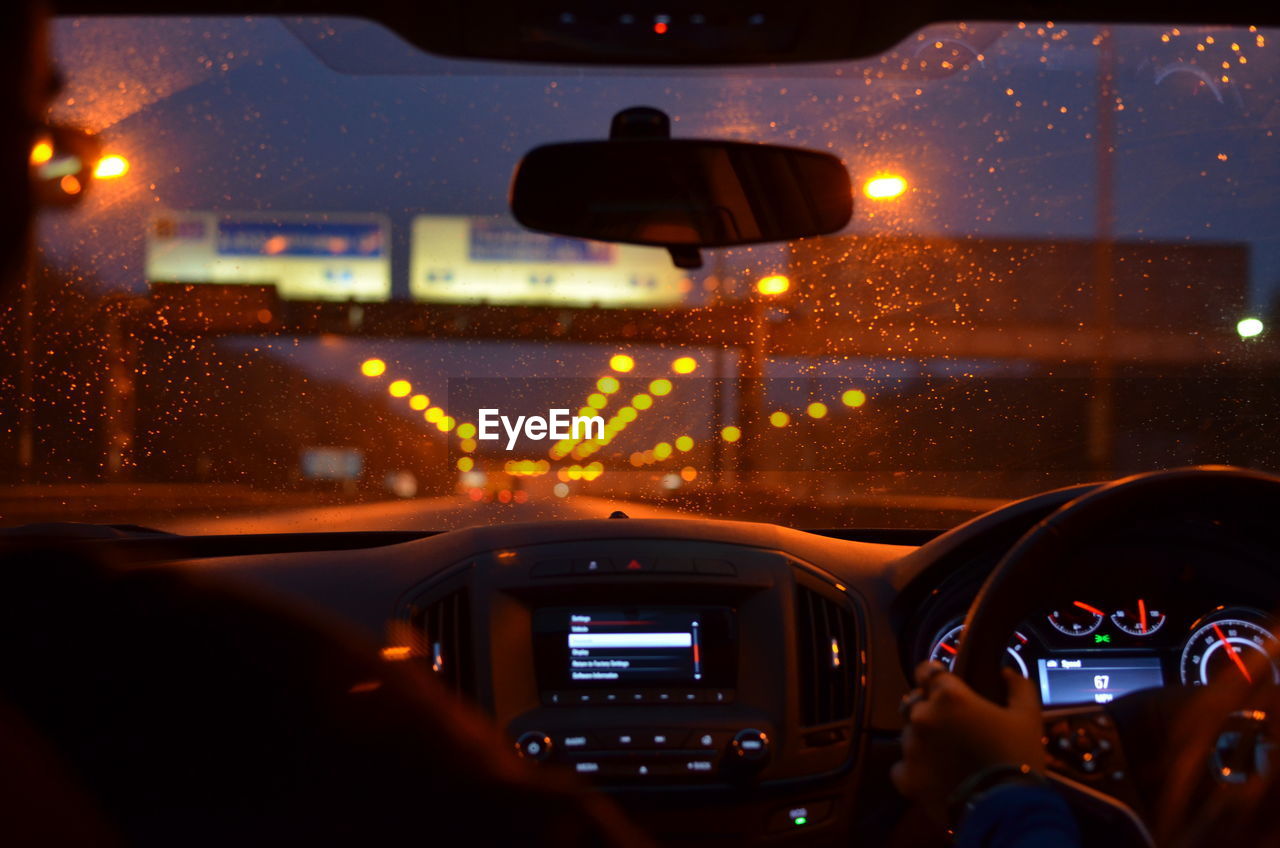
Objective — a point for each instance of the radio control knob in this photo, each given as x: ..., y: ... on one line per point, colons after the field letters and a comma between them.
x: 750, y: 746
x: 534, y: 745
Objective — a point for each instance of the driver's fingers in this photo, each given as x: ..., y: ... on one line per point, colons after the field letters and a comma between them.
x: 927, y: 671
x: 900, y: 775
x: 1022, y: 692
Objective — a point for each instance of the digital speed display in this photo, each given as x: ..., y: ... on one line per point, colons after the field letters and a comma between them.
x: 1099, y: 679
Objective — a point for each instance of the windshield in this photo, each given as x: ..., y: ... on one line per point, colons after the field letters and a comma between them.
x: 296, y: 300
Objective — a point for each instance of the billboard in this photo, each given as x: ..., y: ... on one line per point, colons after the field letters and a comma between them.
x: 343, y: 256
x: 484, y: 259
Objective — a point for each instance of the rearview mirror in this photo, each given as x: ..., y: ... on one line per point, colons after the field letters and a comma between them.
x: 683, y: 194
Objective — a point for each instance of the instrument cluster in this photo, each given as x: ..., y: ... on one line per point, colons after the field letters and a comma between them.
x: 1096, y: 650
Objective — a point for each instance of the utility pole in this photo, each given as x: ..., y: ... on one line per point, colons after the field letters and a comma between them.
x: 1101, y: 423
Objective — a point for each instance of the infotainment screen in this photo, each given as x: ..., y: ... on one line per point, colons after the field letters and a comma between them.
x: 1097, y: 679
x: 634, y: 647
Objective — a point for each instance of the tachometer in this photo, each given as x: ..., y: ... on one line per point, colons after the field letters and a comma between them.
x: 1230, y: 644
x: 1138, y: 619
x: 1076, y: 619
x: 948, y: 642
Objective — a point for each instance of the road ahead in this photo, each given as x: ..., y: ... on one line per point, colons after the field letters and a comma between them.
x: 421, y: 514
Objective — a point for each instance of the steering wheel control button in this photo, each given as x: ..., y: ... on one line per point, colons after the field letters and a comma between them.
x: 635, y: 565
x: 534, y: 745
x: 1085, y: 746
x: 551, y: 568
x: 715, y: 567
x: 597, y: 565
x: 751, y: 746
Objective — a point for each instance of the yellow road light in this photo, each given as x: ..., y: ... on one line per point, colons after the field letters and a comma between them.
x: 817, y: 410
x: 684, y: 365
x: 608, y: 385
x: 419, y: 402
x: 466, y: 431
x: 773, y: 284
x: 399, y: 388
x: 373, y: 367
x: 684, y: 444
x: 884, y: 187
x: 731, y: 434
x: 853, y: 398
x: 111, y: 166
x: 621, y: 363
x: 779, y: 419
x: 660, y: 387
x: 642, y: 401
x: 466, y: 463
x: 661, y: 451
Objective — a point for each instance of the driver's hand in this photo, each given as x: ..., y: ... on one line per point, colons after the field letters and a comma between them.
x: 953, y: 732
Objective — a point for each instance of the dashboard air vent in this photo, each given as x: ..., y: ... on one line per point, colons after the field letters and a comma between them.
x: 828, y: 656
x: 445, y: 624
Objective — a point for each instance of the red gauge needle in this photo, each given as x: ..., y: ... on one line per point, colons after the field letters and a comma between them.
x: 1088, y: 608
x: 1231, y: 652
x: 1142, y: 614
x: 944, y: 646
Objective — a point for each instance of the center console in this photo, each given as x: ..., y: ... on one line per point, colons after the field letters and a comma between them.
x: 656, y: 666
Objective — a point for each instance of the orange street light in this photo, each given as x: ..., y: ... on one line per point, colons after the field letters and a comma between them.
x: 111, y: 166
x: 884, y: 187
x: 774, y: 284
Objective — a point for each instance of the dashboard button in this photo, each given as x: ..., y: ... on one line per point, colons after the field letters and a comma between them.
x: 592, y: 566
x: 673, y: 565
x: 707, y: 740
x: 799, y: 816
x: 622, y: 739
x: 551, y: 568
x: 637, y: 565
x: 718, y: 567
x: 555, y: 698
x: 751, y: 746
x: 577, y: 742
x: 719, y: 696
x: 662, y: 739
x: 534, y: 745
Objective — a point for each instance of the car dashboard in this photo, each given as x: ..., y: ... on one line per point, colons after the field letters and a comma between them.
x: 739, y: 683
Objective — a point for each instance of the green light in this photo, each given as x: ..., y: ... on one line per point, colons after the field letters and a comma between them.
x: 801, y: 820
x: 1102, y: 638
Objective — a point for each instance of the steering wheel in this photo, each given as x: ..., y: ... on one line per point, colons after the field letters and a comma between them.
x: 1109, y: 757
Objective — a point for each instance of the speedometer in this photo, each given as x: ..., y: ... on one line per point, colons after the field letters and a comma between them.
x: 947, y: 643
x: 1232, y: 644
